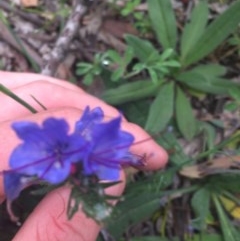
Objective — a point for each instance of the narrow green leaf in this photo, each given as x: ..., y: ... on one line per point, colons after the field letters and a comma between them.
x: 136, y: 111
x: 155, y: 183
x: 163, y: 22
x: 113, y: 55
x: 171, y: 63
x: 40, y: 104
x: 229, y: 233
x: 195, y: 28
x: 153, y: 75
x: 143, y: 49
x: 200, y: 203
x: 130, y: 92
x: 205, y: 78
x: 207, y: 237
x: 138, y: 207
x: 166, y: 54
x: 170, y: 142
x: 142, y: 198
x: 209, y: 135
x: 117, y: 74
x: 235, y: 93
x: 88, y: 79
x: 132, y: 211
x: 9, y: 93
x: 184, y: 115
x: 83, y: 69
x: 161, y: 109
x: 212, y: 70
x: 214, y: 34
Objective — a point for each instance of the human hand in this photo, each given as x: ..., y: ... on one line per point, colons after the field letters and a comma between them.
x: 62, y: 99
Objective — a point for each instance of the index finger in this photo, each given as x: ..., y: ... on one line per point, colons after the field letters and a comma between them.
x: 73, y: 96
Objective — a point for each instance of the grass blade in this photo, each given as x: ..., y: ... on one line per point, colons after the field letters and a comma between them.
x: 9, y: 93
x: 228, y: 230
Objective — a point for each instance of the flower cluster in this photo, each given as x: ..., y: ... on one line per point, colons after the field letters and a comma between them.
x: 49, y: 153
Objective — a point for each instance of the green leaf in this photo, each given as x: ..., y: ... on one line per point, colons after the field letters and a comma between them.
x: 117, y: 74
x: 155, y: 183
x: 184, y: 115
x: 143, y: 49
x: 209, y: 135
x: 229, y: 233
x: 214, y: 34
x: 171, y: 63
x: 136, y: 111
x: 141, y: 200
x: 205, y: 78
x: 169, y: 141
x: 195, y: 28
x: 207, y: 237
x: 161, y: 109
x: 9, y: 93
x: 163, y: 22
x: 166, y: 54
x: 113, y: 55
x: 153, y: 75
x: 132, y: 211
x: 88, y: 79
x: 235, y: 93
x: 212, y: 85
x: 83, y: 68
x: 212, y: 70
x: 128, y: 55
x: 200, y: 203
x: 130, y: 92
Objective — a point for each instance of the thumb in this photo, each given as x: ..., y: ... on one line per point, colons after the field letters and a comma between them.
x: 49, y: 219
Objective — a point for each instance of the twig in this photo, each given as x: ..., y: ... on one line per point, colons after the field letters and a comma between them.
x: 28, y: 16
x: 8, y: 37
x: 63, y: 42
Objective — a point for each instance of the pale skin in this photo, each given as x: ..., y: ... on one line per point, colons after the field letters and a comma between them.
x: 64, y: 100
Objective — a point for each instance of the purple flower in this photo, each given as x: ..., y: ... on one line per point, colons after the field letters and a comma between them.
x: 89, y: 119
x: 47, y: 152
x: 14, y: 183
x: 109, y: 145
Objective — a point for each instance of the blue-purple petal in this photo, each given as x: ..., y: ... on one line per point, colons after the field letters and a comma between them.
x: 87, y: 122
x: 14, y: 184
x: 110, y: 146
x: 47, y: 152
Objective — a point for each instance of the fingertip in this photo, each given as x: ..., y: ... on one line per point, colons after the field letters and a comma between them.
x: 144, y: 145
x: 158, y: 158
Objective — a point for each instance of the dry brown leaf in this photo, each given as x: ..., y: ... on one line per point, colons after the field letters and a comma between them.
x: 118, y: 28
x: 29, y: 3
x: 218, y: 165
x: 191, y: 172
